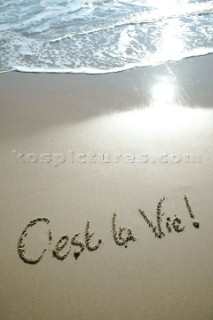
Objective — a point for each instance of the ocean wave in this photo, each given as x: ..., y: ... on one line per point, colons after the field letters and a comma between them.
x: 135, y: 19
x: 101, y: 36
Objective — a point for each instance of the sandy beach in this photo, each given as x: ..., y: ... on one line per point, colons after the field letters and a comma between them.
x: 78, y: 148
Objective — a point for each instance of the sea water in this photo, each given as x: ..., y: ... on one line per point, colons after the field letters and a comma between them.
x: 101, y: 36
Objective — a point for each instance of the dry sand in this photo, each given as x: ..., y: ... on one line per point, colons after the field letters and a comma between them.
x: 163, y: 113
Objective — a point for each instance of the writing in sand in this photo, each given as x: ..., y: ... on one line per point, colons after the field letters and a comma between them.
x: 121, y: 235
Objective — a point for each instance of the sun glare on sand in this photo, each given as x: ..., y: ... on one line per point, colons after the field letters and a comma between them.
x: 163, y: 92
x: 164, y: 112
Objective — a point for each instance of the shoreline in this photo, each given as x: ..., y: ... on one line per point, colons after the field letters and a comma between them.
x: 95, y: 72
x: 102, y: 73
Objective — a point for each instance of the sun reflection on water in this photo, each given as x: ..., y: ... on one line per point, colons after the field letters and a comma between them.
x: 171, y: 42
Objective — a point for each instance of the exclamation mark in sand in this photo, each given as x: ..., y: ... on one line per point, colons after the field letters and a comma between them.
x: 195, y: 222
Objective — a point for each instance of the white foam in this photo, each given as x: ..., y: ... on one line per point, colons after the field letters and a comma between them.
x: 85, y: 70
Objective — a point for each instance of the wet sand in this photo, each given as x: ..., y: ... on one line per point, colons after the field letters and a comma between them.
x: 79, y: 148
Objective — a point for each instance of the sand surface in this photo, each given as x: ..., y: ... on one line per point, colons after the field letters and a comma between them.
x: 154, y: 126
